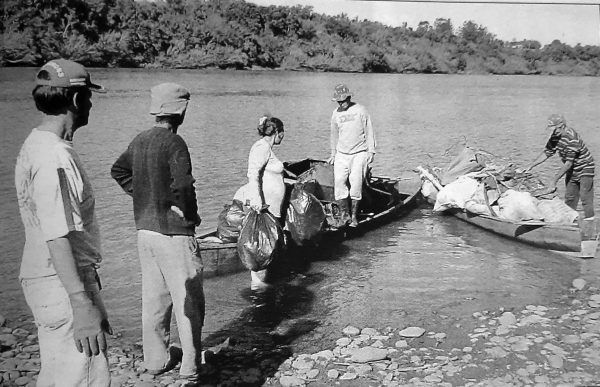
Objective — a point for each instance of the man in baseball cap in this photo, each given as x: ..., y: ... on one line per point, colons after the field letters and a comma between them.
x: 578, y: 164
x: 62, y: 249
x: 352, y: 151
x: 156, y: 170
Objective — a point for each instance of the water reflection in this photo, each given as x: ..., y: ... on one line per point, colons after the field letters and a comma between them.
x: 260, y: 336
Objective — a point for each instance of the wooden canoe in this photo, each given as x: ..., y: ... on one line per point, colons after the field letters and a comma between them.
x: 562, y: 238
x: 384, y: 199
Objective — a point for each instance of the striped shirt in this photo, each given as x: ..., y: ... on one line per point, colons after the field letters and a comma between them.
x: 570, y: 147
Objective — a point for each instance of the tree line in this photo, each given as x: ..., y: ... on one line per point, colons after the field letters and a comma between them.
x: 240, y: 35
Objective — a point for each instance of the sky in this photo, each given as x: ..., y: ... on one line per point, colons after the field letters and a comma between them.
x: 569, y: 21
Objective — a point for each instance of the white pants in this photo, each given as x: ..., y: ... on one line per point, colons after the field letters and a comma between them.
x: 171, y: 281
x: 349, y: 169
x: 61, y: 363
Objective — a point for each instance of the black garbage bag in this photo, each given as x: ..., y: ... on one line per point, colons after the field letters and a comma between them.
x: 305, y: 215
x: 230, y: 221
x: 260, y: 240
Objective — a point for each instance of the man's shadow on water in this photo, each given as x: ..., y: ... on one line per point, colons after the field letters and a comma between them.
x: 260, y: 337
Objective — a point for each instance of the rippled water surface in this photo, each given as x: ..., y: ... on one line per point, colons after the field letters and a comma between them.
x: 405, y: 271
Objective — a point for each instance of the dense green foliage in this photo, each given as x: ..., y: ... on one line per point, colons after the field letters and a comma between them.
x: 236, y: 34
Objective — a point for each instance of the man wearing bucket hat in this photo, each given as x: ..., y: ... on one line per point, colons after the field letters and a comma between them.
x: 156, y: 171
x: 352, y: 151
x: 578, y: 165
x: 62, y: 242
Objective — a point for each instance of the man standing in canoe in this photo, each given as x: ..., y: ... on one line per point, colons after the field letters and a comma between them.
x: 352, y: 151
x: 578, y: 164
x: 62, y: 240
x: 156, y: 171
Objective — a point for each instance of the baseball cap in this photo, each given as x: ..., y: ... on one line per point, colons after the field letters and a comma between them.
x: 168, y: 99
x: 556, y: 120
x: 341, y: 92
x: 66, y: 73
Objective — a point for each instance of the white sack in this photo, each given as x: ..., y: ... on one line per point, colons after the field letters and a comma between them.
x: 556, y: 211
x: 517, y: 206
x: 456, y: 194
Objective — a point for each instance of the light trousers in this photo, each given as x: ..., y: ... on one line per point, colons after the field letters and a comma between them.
x: 61, y: 363
x: 171, y: 282
x: 349, y: 170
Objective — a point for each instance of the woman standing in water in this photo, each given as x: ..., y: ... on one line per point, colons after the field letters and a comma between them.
x: 265, y: 187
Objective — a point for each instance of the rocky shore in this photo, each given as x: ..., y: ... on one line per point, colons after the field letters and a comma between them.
x: 540, y: 345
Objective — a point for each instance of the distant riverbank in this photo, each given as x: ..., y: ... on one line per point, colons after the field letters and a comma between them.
x: 234, y: 34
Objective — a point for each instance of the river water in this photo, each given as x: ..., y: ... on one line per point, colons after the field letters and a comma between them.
x: 404, y: 272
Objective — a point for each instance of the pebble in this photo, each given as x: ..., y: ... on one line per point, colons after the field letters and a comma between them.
x: 579, y: 283
x: 348, y: 376
x: 32, y: 348
x: 343, y: 341
x: 367, y: 354
x: 507, y: 318
x: 20, y: 332
x: 369, y: 332
x: 303, y: 364
x: 439, y: 336
x: 22, y: 381
x: 555, y: 361
x: 360, y: 369
x: 532, y: 319
x: 496, y: 352
x: 351, y: 331
x: 333, y: 374
x: 326, y: 354
x: 9, y: 365
x: 8, y: 339
x: 412, y: 332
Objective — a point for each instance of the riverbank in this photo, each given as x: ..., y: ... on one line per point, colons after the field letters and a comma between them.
x: 544, y: 345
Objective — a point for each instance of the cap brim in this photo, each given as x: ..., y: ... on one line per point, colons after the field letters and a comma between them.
x: 96, y: 88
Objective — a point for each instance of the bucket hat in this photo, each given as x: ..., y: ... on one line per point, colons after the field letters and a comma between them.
x: 168, y: 99
x: 341, y: 92
x: 66, y: 73
x: 556, y: 120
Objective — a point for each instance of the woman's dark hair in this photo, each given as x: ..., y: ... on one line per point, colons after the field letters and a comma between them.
x: 55, y: 100
x: 267, y: 126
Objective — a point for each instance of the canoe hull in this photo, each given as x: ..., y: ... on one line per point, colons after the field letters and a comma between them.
x: 547, y: 236
x: 219, y: 258
x: 560, y: 238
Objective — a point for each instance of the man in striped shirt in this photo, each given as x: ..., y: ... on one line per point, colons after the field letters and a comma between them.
x: 578, y: 164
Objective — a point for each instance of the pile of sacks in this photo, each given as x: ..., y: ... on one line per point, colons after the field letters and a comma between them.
x: 472, y: 194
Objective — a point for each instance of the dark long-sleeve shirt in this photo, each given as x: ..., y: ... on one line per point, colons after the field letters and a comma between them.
x: 157, y: 172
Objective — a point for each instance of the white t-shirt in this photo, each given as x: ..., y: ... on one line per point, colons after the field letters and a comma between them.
x: 55, y: 200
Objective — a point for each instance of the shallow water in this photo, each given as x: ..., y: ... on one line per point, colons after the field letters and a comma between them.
x: 402, y: 272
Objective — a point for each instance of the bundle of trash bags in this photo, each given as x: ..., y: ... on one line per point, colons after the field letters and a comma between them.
x: 305, y: 215
x: 479, y: 186
x: 469, y: 194
x: 260, y: 240
x: 229, y: 222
